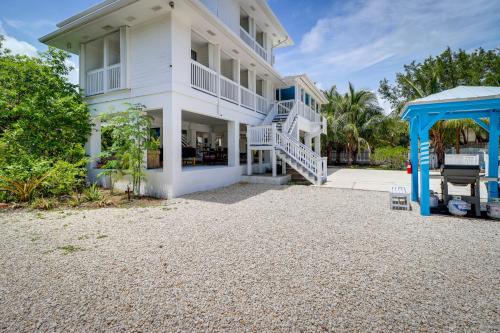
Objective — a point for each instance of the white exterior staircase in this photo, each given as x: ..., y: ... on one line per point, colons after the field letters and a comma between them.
x: 279, y: 132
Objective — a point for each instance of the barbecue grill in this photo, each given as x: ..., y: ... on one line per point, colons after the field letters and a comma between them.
x: 462, y: 170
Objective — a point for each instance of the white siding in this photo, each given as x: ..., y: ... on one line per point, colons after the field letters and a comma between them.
x: 150, y: 54
x: 227, y: 10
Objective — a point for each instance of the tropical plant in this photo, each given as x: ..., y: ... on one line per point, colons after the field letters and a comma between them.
x: 22, y: 189
x: 92, y: 193
x: 353, y: 117
x: 131, y: 138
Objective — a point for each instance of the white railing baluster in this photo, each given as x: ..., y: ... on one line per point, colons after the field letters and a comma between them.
x: 203, y: 78
x: 247, y: 98
x: 228, y: 89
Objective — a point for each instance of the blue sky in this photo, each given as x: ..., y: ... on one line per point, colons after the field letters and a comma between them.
x: 361, y: 41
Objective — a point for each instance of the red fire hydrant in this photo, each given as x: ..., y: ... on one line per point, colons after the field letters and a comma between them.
x: 408, y: 167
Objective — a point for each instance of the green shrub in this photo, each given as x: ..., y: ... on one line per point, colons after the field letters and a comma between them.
x: 44, y: 203
x: 65, y: 178
x: 28, y: 177
x: 391, y: 157
x: 92, y: 193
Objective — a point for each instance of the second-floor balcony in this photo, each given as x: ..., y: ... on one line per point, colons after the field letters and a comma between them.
x: 213, y: 83
x: 102, y: 65
x: 103, y: 80
x: 250, y: 41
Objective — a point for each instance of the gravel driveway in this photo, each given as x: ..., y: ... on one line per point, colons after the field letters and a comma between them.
x: 249, y: 258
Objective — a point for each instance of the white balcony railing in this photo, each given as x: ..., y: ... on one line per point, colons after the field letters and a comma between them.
x: 285, y: 106
x: 96, y: 79
x: 260, y: 135
x: 246, y: 37
x: 250, y: 41
x: 203, y: 78
x: 307, y: 112
x: 247, y: 98
x: 95, y: 82
x: 261, y: 104
x: 228, y: 89
x: 114, y: 79
x: 260, y: 50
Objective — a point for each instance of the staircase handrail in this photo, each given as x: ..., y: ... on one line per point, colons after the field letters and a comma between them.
x: 292, y: 115
x: 272, y: 113
x: 301, y: 154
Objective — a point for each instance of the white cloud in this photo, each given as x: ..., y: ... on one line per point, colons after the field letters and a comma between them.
x: 17, y: 46
x: 367, y: 40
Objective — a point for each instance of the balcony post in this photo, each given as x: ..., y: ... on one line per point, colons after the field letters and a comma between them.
x: 124, y: 33
x: 105, y: 65
x: 237, y: 79
x: 83, y: 70
x: 217, y: 68
x: 249, y: 153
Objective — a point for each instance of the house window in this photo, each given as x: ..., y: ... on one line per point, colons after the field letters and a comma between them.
x: 194, y: 55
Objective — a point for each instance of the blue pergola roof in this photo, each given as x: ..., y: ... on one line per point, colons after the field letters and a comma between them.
x: 476, y: 103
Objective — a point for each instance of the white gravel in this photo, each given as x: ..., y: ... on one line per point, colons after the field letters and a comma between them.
x: 249, y: 258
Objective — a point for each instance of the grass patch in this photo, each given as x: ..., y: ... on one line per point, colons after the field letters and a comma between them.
x: 68, y: 249
x: 101, y: 236
x: 83, y: 237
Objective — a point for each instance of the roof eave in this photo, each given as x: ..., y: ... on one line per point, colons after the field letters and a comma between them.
x: 85, y: 17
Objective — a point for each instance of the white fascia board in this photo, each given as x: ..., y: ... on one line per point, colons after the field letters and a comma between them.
x: 87, y: 16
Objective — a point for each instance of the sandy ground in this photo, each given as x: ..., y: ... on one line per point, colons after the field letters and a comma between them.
x: 249, y: 258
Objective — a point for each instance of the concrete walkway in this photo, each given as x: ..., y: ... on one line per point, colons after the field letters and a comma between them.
x: 383, y: 180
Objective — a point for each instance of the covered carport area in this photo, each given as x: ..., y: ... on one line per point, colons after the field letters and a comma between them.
x: 481, y: 104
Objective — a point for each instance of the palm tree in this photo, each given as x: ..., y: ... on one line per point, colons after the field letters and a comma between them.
x: 352, y: 117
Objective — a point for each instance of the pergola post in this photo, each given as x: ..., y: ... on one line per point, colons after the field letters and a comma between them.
x: 493, y: 156
x: 414, y: 158
x: 425, y: 208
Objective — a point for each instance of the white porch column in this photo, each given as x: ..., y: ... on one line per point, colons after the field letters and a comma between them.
x: 308, y: 140
x: 260, y: 161
x: 273, y: 151
x: 233, y: 143
x: 317, y: 144
x: 273, y: 162
x: 93, y: 145
x: 124, y: 54
x: 82, y: 71
x: 193, y: 137
x: 249, y: 153
x: 106, y: 64
x: 172, y: 145
x: 236, y: 75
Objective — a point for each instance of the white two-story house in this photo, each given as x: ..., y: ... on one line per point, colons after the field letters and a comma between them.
x: 204, y: 71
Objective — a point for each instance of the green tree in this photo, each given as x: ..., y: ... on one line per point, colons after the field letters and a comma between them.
x: 44, y: 124
x: 40, y: 110
x: 445, y: 71
x: 353, y: 117
x: 130, y: 136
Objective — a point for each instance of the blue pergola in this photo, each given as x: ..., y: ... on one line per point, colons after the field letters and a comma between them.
x: 481, y: 104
